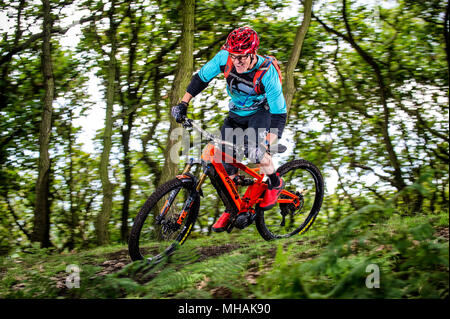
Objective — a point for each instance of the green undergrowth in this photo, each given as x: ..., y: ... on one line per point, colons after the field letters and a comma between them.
x: 411, y: 254
x: 402, y: 257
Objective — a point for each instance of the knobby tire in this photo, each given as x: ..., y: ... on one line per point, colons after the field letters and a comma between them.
x: 301, y: 165
x: 134, y: 248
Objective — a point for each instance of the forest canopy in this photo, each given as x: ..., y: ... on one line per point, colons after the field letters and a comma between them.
x: 368, y: 104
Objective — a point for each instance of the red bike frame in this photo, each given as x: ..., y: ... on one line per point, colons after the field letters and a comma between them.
x: 213, y: 155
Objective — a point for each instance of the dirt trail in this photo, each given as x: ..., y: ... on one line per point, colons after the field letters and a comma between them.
x: 119, y: 259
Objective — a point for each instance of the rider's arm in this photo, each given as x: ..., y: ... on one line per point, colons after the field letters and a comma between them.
x: 210, y: 70
x: 276, y: 101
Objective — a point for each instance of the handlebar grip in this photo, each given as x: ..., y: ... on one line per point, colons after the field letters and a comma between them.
x: 277, y: 148
x: 187, y: 122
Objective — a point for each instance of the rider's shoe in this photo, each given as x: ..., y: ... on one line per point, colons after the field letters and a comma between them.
x: 271, y: 195
x: 222, y: 223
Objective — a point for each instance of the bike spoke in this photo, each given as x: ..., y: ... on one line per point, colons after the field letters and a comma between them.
x: 162, y: 221
x: 298, y: 202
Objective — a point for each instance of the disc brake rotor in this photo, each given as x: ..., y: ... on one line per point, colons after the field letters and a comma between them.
x: 169, y: 226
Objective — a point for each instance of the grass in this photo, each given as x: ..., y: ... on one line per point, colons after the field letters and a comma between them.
x: 411, y: 252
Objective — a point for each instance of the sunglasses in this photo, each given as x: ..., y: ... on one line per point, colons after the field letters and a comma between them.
x: 240, y: 58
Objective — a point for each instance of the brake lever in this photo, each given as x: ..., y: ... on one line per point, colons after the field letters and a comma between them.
x: 277, y: 148
x: 187, y: 122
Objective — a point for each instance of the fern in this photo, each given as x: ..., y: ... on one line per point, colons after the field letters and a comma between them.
x: 412, y: 262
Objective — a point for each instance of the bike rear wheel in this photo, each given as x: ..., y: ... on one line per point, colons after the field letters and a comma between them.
x: 165, y: 220
x: 303, y: 179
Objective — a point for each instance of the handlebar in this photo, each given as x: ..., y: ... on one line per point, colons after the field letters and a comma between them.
x: 211, y: 137
x: 187, y: 122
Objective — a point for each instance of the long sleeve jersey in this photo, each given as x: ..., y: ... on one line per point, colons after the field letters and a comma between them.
x: 244, y: 99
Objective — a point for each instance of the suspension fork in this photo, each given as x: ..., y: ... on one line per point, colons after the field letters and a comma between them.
x: 188, y: 166
x: 202, y: 176
x: 202, y: 179
x: 193, y: 194
x: 190, y: 200
x: 187, y: 207
x: 174, y: 194
x: 167, y: 205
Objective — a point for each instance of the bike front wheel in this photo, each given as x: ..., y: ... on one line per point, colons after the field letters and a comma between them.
x: 304, y: 180
x: 165, y: 220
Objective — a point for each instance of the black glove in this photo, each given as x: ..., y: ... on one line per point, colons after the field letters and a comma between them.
x: 179, y: 111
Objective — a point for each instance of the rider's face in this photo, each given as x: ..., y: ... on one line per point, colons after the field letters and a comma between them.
x: 241, y: 62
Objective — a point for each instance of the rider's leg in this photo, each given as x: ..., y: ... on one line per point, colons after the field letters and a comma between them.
x: 266, y: 167
x: 260, y: 123
x: 275, y: 183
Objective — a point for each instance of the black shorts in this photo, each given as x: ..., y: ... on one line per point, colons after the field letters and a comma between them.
x: 250, y: 130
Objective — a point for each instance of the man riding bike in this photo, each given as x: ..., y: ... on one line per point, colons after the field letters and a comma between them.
x: 257, y: 105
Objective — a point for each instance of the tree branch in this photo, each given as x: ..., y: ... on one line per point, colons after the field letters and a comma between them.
x: 365, y: 167
x: 399, y: 182
x: 34, y: 37
x: 16, y: 218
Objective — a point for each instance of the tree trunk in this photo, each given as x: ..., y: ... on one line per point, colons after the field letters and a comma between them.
x: 447, y: 38
x: 107, y: 187
x: 398, y: 176
x: 183, y: 75
x: 126, y: 191
x: 130, y: 101
x: 289, y: 87
x: 180, y: 83
x: 153, y: 165
x: 72, y: 211
x: 41, y: 228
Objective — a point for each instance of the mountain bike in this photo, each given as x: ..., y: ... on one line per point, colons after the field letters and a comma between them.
x: 169, y: 214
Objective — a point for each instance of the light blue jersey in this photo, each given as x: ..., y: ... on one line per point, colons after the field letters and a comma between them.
x: 244, y: 100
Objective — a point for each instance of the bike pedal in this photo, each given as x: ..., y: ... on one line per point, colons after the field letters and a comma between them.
x: 230, y: 227
x: 231, y: 224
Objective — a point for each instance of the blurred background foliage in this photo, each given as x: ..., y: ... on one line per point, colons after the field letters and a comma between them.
x: 370, y: 107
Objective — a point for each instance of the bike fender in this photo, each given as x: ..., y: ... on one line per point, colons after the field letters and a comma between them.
x: 183, y: 177
x: 189, y: 179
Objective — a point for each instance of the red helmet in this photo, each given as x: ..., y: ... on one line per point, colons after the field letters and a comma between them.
x: 242, y: 41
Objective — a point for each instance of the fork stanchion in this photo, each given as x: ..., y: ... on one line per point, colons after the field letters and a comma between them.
x: 202, y: 179
x: 188, y: 166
